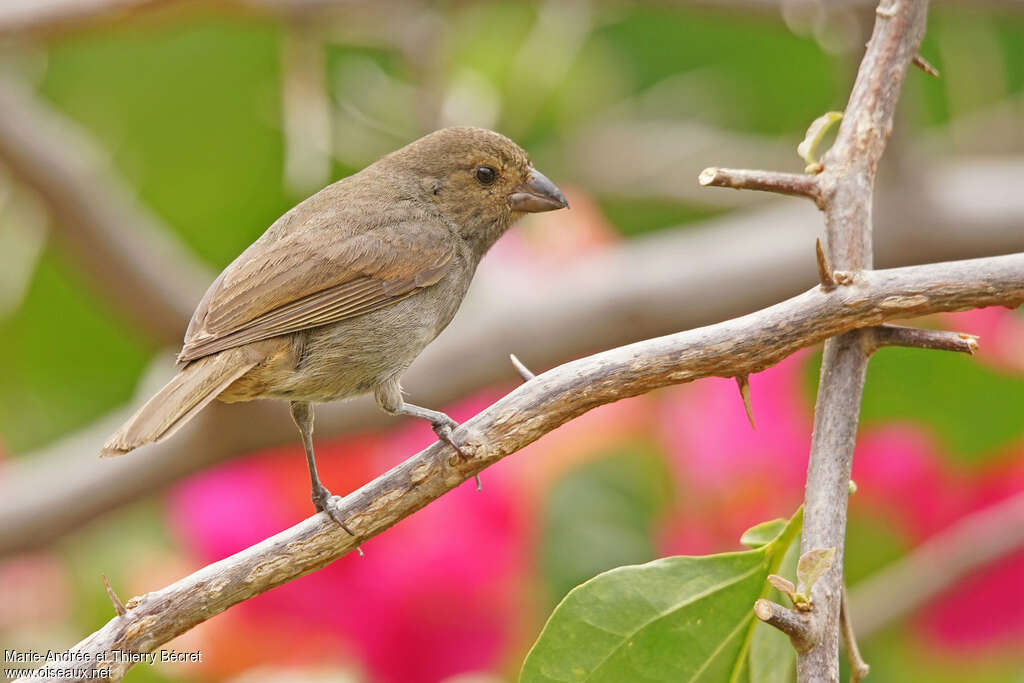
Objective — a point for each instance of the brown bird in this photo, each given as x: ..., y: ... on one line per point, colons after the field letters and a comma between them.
x: 340, y: 294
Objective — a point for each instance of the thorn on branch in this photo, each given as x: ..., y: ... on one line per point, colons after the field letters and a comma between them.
x: 939, y: 340
x: 828, y: 282
x: 925, y: 66
x: 794, y: 624
x: 794, y: 184
x: 858, y: 667
x: 118, y: 605
x: 743, y: 382
x: 523, y: 371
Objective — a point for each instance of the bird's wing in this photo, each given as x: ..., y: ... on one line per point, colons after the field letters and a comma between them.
x: 309, y: 278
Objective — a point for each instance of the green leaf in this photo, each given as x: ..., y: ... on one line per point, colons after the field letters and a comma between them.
x: 812, y: 565
x: 772, y: 658
x: 674, y: 619
x: 600, y: 516
x: 763, y: 534
x: 808, y: 148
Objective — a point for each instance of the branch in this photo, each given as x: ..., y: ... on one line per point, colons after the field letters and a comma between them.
x: 798, y: 184
x: 678, y: 278
x: 32, y: 17
x: 847, y: 184
x: 125, y: 248
x: 18, y: 17
x: 305, y: 108
x: 971, y: 543
x: 791, y: 622
x: 939, y: 340
x: 526, y: 373
x: 742, y: 345
x: 844, y: 191
x: 858, y: 667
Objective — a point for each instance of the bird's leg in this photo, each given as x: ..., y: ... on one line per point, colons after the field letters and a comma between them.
x: 389, y: 398
x: 302, y: 413
x: 440, y: 422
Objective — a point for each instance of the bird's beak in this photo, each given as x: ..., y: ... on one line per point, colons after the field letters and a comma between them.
x: 537, y: 194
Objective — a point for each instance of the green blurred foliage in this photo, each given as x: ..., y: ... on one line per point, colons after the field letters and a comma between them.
x: 974, y: 408
x: 602, y: 515
x: 659, y: 42
x: 971, y: 407
x: 634, y: 217
x: 66, y: 357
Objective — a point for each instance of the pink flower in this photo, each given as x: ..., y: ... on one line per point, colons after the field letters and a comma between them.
x: 730, y: 476
x: 986, y: 608
x: 440, y: 588
x: 899, y: 473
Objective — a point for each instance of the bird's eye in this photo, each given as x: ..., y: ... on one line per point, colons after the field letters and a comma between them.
x: 485, y: 175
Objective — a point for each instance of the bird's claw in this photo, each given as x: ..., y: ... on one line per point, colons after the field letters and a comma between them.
x: 443, y: 429
x: 324, y: 501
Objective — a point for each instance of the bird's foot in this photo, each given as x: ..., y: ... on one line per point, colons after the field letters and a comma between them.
x: 324, y: 501
x: 443, y: 428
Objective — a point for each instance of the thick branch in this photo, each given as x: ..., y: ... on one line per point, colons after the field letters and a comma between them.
x: 125, y: 249
x: 971, y: 543
x: 739, y: 346
x: 798, y: 184
x: 646, y: 287
x: 847, y: 184
x: 844, y: 191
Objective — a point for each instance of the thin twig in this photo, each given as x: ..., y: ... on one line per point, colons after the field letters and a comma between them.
x: 116, y: 601
x: 794, y: 624
x: 523, y: 371
x: 858, y: 667
x: 526, y: 374
x: 939, y: 340
x: 741, y: 345
x: 797, y: 184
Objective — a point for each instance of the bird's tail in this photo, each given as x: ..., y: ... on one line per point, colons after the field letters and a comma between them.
x: 186, y: 394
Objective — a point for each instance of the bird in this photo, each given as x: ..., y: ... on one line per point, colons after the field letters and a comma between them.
x: 345, y: 290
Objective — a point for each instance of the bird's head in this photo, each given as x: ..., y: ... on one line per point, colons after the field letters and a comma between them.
x: 478, y: 179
